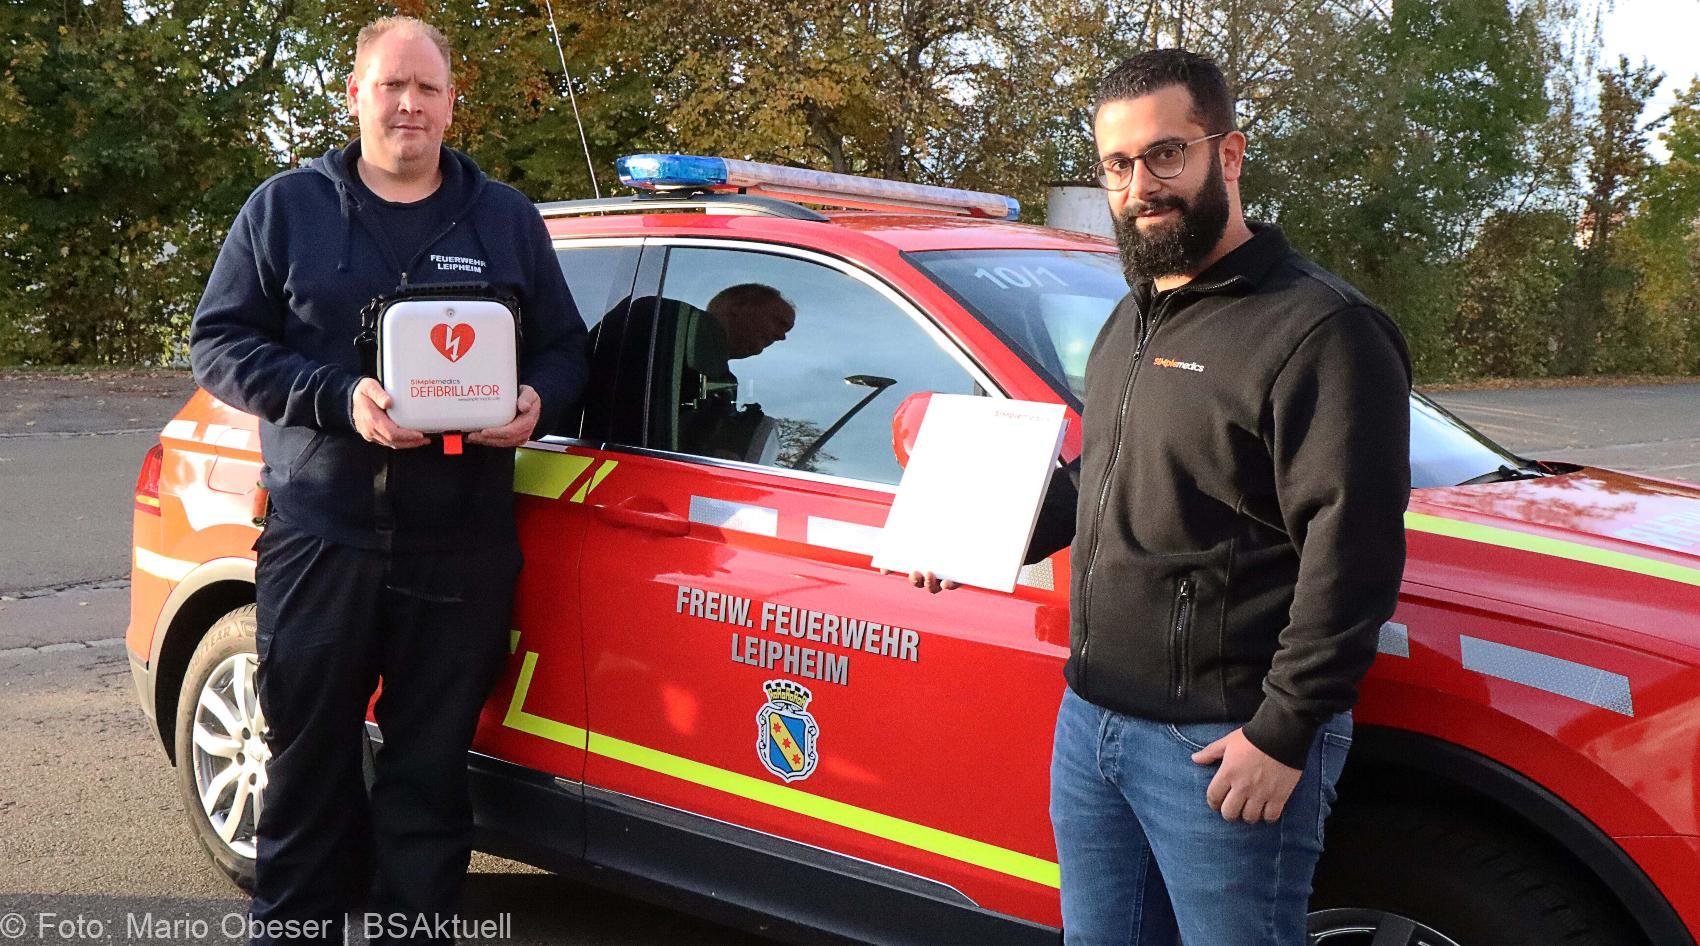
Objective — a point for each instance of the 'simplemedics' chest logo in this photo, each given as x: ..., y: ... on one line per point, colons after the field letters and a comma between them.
x: 453, y: 341
x: 1162, y: 362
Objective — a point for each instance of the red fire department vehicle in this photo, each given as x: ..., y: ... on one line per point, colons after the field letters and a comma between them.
x: 714, y: 698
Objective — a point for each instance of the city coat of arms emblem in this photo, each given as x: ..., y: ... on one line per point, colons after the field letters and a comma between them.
x: 787, y: 732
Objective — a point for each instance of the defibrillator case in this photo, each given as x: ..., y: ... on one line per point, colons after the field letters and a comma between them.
x: 447, y: 355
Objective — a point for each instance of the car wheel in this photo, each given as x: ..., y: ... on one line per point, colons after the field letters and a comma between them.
x: 221, y: 759
x: 1414, y: 876
x: 1354, y: 927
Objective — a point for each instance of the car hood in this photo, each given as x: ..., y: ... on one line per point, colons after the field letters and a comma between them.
x: 1616, y: 548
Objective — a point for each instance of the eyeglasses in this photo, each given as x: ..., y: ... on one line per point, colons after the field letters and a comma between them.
x: 1164, y: 160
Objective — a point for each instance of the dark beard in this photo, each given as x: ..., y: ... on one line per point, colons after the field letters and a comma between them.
x: 1179, y: 246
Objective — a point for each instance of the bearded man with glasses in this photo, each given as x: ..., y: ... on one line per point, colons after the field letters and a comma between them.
x: 1238, y: 541
x: 1237, y: 534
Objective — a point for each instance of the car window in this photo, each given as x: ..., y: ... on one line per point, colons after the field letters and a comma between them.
x: 600, y: 281
x: 599, y: 277
x: 769, y: 359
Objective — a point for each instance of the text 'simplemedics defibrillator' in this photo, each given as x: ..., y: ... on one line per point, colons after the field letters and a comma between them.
x: 447, y: 355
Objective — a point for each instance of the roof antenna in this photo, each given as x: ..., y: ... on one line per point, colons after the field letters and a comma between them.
x: 556, y: 32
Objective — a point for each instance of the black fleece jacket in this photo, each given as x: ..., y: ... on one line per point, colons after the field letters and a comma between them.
x: 1238, y: 538
x: 275, y: 333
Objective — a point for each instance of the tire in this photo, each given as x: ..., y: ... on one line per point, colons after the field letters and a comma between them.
x: 221, y: 756
x: 1431, y: 877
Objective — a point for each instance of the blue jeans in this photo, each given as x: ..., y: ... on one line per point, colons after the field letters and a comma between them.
x: 1146, y: 862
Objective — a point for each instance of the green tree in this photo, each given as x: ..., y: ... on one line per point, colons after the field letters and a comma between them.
x: 1598, y: 331
x: 1657, y: 324
x: 853, y: 87
x: 126, y: 144
x: 1513, y: 281
x: 1389, y: 159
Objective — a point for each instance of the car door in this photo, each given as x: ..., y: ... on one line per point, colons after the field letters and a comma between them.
x: 745, y: 664
x: 535, y: 717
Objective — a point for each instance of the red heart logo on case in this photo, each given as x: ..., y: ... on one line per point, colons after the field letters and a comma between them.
x: 454, y: 341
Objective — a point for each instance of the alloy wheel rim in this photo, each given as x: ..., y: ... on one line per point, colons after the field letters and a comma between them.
x: 1351, y: 926
x: 229, y: 752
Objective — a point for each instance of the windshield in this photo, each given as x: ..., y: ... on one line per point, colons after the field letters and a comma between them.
x: 1050, y: 304
x: 1445, y: 451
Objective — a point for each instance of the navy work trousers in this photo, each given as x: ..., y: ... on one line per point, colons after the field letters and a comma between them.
x: 333, y: 621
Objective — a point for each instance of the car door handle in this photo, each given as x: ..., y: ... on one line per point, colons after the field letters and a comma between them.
x: 643, y: 514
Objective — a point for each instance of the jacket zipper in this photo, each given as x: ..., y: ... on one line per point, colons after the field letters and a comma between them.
x: 384, y: 244
x: 1104, y: 489
x: 1178, y: 638
x: 417, y: 257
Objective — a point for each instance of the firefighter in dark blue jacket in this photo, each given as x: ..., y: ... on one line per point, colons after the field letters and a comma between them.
x: 383, y: 558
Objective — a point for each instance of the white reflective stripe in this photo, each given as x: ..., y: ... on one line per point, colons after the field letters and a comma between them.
x: 1395, y: 640
x: 157, y: 565
x: 1038, y: 575
x: 741, y: 517
x: 844, y: 536
x: 864, y: 540
x: 1567, y: 678
x: 179, y: 430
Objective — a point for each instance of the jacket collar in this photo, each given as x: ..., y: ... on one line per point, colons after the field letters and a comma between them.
x: 1243, y: 269
x: 461, y: 175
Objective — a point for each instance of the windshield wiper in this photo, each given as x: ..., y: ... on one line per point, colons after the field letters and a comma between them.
x: 1504, y: 474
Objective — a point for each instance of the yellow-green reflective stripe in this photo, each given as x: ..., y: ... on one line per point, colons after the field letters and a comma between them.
x: 1557, y: 548
x: 918, y: 836
x: 595, y: 480
x: 518, y: 718
x: 969, y: 851
x: 546, y: 473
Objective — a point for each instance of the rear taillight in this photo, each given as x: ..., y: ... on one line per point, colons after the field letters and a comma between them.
x: 147, y: 481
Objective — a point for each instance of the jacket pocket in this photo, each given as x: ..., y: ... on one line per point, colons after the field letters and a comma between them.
x: 308, y: 451
x: 333, y: 476
x: 1154, y: 632
x: 292, y: 449
x: 1180, y: 636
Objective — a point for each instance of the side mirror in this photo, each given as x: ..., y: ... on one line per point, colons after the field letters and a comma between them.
x: 906, y: 424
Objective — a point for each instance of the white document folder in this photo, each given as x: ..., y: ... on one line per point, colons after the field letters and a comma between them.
x: 971, y: 493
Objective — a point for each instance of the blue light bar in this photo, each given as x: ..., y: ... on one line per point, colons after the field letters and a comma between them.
x: 670, y: 171
x: 659, y: 172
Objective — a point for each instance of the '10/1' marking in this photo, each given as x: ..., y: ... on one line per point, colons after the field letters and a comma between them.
x: 1019, y: 277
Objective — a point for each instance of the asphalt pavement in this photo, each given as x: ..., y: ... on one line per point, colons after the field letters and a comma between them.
x: 70, y: 448
x: 1651, y: 429
x: 93, y: 843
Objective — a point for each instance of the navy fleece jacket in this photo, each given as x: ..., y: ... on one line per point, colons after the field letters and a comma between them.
x: 275, y: 336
